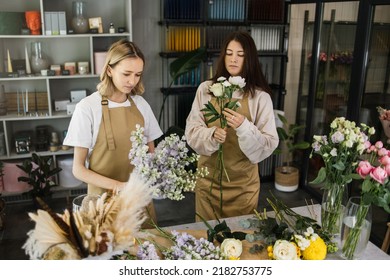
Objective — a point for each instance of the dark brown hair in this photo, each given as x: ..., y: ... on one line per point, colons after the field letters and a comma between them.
x: 251, y: 70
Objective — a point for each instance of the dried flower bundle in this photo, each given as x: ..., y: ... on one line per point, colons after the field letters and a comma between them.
x: 110, y: 224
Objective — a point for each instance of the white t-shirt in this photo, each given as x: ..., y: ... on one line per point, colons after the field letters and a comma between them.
x: 85, y: 123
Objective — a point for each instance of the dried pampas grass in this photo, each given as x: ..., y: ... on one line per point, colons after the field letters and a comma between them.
x: 111, y: 223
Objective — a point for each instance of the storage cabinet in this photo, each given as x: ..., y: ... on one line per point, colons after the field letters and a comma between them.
x: 45, y: 91
x: 188, y: 25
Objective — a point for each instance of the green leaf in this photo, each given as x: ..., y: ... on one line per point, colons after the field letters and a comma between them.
x: 231, y: 105
x: 212, y: 119
x: 282, y: 133
x: 282, y: 119
x: 187, y: 62
x: 321, y: 176
x: 301, y: 145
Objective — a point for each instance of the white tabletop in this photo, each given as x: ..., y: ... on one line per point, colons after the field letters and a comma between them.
x: 372, y: 252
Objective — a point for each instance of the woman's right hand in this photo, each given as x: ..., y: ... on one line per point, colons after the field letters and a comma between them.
x: 220, y: 135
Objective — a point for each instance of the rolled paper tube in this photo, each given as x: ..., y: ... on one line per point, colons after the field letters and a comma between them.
x: 23, y: 103
x: 28, y: 67
x: 26, y: 101
x: 9, y: 62
x: 36, y: 101
x: 17, y: 101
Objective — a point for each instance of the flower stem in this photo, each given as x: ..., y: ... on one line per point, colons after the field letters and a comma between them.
x: 353, y: 235
x: 332, y: 208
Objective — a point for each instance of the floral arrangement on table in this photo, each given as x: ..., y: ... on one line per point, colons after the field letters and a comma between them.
x: 174, y: 245
x: 375, y: 172
x: 288, y: 235
x: 340, y: 151
x: 102, y: 228
x: 223, y: 92
x: 167, y: 168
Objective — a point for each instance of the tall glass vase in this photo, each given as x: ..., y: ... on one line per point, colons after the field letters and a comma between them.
x: 334, y: 199
x: 38, y: 59
x: 355, y: 228
x: 79, y: 18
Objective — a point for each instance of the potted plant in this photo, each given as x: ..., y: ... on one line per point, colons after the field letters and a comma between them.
x: 181, y: 66
x: 287, y: 176
x: 40, y: 175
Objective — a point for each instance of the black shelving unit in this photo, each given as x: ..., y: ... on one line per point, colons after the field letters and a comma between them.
x: 187, y: 25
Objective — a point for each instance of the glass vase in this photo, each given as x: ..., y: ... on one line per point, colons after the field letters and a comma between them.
x: 79, y: 18
x: 355, y: 228
x: 334, y: 199
x: 38, y: 59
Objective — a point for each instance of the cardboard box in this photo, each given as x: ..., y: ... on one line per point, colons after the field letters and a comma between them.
x: 77, y: 95
x: 47, y: 23
x: 61, y: 105
x: 70, y: 107
x: 55, y: 28
x: 71, y: 66
x: 62, y: 22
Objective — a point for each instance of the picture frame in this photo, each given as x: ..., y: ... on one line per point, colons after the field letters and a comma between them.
x: 96, y: 23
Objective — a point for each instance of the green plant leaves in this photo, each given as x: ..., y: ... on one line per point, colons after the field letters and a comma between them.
x: 40, y: 173
x: 186, y: 63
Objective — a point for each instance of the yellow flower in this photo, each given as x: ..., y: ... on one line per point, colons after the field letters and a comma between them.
x: 270, y: 250
x: 316, y: 250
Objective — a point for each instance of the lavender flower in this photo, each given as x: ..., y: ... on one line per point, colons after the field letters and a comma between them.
x: 167, y: 168
x: 147, y: 251
x: 187, y: 247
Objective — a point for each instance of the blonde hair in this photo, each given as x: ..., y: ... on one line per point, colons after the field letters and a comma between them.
x: 119, y: 51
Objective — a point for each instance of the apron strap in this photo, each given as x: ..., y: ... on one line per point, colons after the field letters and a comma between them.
x: 107, y: 125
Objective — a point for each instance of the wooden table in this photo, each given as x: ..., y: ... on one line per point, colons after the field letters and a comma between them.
x: 372, y: 252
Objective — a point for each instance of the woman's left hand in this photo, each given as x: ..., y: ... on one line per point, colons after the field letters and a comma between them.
x: 233, y: 118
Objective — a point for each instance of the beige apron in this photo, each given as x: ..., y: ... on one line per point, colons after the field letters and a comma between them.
x: 110, y: 153
x: 241, y: 194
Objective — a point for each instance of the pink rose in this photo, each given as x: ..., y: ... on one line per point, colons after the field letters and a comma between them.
x: 379, y: 174
x: 387, y: 168
x: 364, y: 168
x: 385, y: 160
x: 382, y: 152
x: 379, y: 144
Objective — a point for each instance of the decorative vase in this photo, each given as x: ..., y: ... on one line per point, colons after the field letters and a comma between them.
x: 79, y: 20
x: 38, y: 59
x: 355, y: 228
x: 334, y: 199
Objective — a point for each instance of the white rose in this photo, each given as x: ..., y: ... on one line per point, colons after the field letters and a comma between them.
x: 232, y: 248
x: 226, y: 84
x: 217, y: 89
x: 285, y: 250
x: 237, y: 80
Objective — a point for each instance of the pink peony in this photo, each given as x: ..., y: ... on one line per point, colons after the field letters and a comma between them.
x: 364, y: 168
x: 379, y: 174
